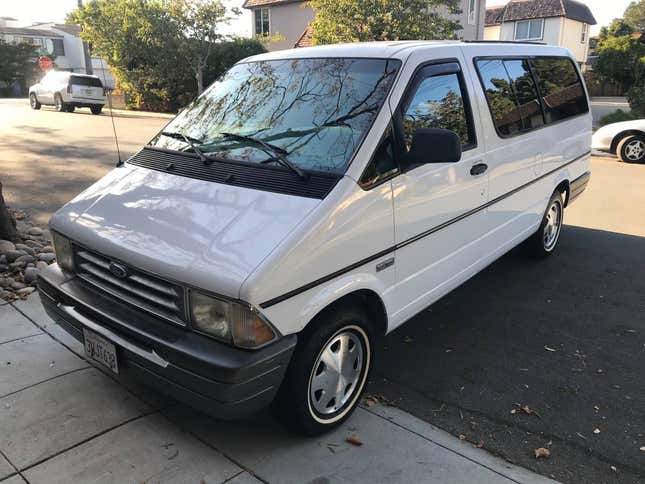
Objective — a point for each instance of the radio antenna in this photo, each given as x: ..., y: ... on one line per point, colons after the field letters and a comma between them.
x: 109, y: 96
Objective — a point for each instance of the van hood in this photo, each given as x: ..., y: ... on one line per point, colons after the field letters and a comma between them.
x: 204, y: 234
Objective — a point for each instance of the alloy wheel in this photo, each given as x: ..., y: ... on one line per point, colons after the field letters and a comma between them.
x: 635, y: 150
x: 553, y: 224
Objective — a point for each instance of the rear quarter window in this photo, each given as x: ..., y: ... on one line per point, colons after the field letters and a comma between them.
x: 562, y: 93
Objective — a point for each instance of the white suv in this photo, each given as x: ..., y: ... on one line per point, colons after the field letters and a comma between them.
x: 67, y: 91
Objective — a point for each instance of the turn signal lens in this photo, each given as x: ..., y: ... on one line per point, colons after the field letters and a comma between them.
x: 64, y: 253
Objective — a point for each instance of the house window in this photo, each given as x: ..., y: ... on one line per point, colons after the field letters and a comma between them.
x: 262, y: 26
x: 529, y: 29
x: 59, y: 48
x: 472, y: 12
x: 583, y: 36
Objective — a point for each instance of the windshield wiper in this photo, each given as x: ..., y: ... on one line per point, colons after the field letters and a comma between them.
x: 207, y: 160
x: 277, y: 152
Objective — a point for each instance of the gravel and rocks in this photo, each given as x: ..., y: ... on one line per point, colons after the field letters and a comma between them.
x: 23, y: 260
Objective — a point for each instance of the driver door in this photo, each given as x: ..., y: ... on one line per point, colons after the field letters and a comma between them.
x: 437, y: 206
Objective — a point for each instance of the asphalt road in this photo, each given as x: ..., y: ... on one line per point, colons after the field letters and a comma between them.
x: 565, y: 336
x: 47, y: 157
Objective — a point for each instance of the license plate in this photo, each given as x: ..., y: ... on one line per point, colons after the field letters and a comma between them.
x: 88, y: 91
x: 100, y: 349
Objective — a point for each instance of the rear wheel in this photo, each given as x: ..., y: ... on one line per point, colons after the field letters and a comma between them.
x: 631, y: 149
x: 59, y: 104
x: 544, y: 242
x: 70, y: 108
x: 328, y: 372
x: 33, y: 101
x: 96, y: 109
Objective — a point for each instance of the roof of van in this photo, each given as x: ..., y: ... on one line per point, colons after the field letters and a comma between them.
x: 404, y: 48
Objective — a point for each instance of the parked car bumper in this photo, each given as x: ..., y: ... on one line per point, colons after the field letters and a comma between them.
x: 601, y: 141
x: 220, y: 380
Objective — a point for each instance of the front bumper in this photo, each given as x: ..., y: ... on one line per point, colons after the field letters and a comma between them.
x: 601, y: 141
x: 219, y: 380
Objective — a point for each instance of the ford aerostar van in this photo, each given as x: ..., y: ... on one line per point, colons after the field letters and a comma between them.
x: 309, y: 202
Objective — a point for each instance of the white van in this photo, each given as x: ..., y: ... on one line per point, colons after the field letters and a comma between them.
x: 309, y: 202
x: 67, y: 91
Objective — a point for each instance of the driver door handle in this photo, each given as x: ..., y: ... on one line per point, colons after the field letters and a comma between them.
x: 478, y: 169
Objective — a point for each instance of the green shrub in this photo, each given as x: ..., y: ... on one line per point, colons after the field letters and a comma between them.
x: 636, y: 98
x: 618, y: 116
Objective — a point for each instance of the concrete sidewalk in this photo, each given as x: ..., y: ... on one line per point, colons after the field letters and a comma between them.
x: 63, y: 420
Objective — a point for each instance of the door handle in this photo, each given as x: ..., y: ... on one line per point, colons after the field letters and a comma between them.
x: 478, y: 169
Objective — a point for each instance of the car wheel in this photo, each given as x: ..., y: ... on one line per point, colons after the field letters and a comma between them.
x: 96, y: 109
x: 327, y: 372
x: 59, y: 104
x: 33, y: 101
x: 544, y: 242
x: 70, y: 108
x: 631, y: 149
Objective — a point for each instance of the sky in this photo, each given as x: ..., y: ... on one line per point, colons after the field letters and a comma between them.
x: 604, y: 10
x: 54, y: 11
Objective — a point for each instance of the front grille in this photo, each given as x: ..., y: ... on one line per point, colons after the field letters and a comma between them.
x: 139, y: 289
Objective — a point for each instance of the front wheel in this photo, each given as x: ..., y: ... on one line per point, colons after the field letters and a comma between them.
x: 631, y: 149
x: 328, y: 372
x: 544, y: 242
x: 70, y: 108
x: 33, y: 101
x: 96, y: 109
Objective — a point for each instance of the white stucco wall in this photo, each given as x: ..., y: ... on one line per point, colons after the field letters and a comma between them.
x: 551, y: 34
x: 492, y: 32
x: 570, y: 38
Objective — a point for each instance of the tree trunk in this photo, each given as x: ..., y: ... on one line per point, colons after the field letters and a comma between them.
x: 199, y: 75
x: 7, y: 223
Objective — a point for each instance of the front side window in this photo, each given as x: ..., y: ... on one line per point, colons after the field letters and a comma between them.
x: 315, y: 111
x: 262, y: 26
x: 562, y: 92
x: 437, y: 103
x: 383, y: 164
x: 529, y: 29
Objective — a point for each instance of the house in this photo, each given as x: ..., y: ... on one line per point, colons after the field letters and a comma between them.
x: 290, y: 19
x: 564, y: 23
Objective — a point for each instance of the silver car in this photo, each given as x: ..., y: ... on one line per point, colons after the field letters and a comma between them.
x: 67, y: 91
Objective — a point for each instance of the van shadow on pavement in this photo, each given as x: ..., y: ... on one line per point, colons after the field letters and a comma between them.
x: 565, y: 336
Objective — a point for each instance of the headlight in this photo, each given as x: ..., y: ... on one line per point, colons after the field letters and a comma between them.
x: 229, y: 321
x: 64, y: 253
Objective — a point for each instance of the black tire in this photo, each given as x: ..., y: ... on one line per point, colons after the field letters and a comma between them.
x: 33, y: 101
x: 298, y: 401
x: 545, y: 241
x: 631, y: 149
x: 96, y: 109
x: 61, y: 107
x: 70, y: 108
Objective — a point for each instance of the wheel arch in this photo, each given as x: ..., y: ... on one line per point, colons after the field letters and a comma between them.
x: 620, y: 136
x: 367, y: 298
x: 564, y: 187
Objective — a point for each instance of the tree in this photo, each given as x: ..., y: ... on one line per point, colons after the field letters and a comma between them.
x: 199, y: 22
x: 7, y: 223
x: 360, y: 21
x: 621, y: 59
x: 18, y: 63
x: 635, y: 16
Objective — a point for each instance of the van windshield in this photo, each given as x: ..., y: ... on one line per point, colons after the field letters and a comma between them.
x: 315, y: 111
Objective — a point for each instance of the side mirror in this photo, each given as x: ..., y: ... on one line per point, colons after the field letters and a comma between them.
x: 433, y: 145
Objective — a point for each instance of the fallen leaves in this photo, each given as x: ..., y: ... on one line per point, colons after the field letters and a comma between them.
x: 596, y: 431
x: 542, y: 453
x: 548, y: 348
x: 525, y: 409
x: 354, y: 440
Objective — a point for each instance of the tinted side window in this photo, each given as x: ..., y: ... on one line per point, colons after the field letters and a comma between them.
x: 383, y: 163
x: 437, y: 103
x: 501, y: 96
x: 561, y: 88
x: 525, y: 92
